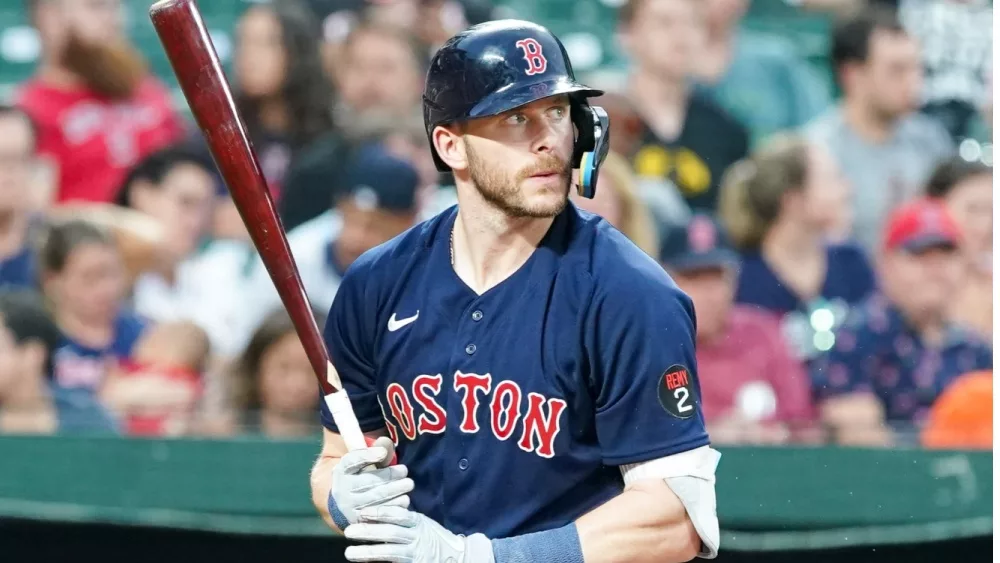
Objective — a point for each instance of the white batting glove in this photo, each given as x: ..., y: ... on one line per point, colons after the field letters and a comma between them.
x: 399, y: 535
x: 353, y: 488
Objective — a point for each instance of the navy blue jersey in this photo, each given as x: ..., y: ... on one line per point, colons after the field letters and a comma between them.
x: 512, y: 409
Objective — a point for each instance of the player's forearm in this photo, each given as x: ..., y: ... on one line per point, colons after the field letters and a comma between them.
x: 320, y: 480
x: 647, y: 522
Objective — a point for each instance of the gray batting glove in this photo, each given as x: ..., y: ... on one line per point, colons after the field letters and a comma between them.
x: 353, y: 488
x: 399, y: 535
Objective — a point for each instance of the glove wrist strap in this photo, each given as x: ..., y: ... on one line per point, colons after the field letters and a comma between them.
x: 338, y: 515
x: 561, y: 545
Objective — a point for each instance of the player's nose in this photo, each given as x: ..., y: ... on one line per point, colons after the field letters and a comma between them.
x: 546, y: 138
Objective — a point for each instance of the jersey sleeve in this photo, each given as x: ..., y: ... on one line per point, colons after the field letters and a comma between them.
x: 644, y: 379
x: 349, y: 338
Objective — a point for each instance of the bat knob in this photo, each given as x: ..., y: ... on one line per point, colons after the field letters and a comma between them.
x: 371, y: 442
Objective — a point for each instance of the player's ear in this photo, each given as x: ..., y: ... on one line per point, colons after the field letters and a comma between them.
x: 450, y: 146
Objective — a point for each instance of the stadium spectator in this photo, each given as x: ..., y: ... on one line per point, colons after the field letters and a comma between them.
x: 752, y: 388
x: 280, y: 88
x: 757, y: 77
x: 156, y: 392
x: 97, y: 107
x: 380, y: 73
x: 273, y: 387
x: 17, y: 161
x: 28, y: 338
x: 779, y: 206
x: 688, y: 137
x: 966, y: 188
x: 883, y: 145
x: 83, y: 280
x: 379, y: 202
x: 175, y: 187
x: 899, y: 351
x: 617, y: 200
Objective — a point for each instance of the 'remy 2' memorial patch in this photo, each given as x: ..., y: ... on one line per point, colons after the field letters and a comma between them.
x: 676, y: 392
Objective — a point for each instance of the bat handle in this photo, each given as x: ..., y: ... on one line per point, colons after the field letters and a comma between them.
x: 347, y: 423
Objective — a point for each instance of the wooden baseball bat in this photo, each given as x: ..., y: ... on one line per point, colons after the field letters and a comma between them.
x: 192, y: 56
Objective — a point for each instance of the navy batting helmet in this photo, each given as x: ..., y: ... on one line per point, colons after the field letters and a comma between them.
x: 500, y: 65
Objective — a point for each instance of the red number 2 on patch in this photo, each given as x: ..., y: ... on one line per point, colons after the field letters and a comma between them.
x: 533, y: 54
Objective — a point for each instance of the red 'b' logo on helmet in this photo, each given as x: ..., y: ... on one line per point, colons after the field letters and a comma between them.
x: 533, y: 54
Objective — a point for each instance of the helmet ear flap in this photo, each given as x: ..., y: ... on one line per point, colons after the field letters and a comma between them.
x: 591, y: 145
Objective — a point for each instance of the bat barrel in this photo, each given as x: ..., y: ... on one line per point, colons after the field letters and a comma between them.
x: 189, y: 49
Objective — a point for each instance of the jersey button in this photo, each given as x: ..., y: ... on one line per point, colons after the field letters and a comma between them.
x: 477, y: 315
x: 463, y: 464
x: 470, y: 349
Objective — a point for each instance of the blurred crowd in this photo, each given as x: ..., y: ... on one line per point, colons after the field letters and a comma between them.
x: 837, y: 245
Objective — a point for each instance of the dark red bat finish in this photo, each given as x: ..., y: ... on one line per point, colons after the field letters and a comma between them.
x: 192, y: 55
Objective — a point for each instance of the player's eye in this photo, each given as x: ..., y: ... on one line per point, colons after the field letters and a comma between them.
x: 558, y: 112
x: 516, y: 119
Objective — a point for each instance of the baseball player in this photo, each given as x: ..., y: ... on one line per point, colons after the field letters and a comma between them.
x: 530, y: 371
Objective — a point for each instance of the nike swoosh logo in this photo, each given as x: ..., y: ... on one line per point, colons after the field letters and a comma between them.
x: 395, y: 324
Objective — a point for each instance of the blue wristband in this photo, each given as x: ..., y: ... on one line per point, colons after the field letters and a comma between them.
x: 561, y: 545
x: 338, y: 517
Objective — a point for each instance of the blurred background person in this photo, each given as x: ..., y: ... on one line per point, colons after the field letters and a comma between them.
x: 17, y: 161
x: 175, y: 187
x: 28, y: 339
x: 688, y: 138
x: 83, y: 280
x: 273, y: 389
x: 884, y: 146
x: 617, y: 201
x: 899, y: 350
x: 380, y: 72
x: 379, y: 203
x: 97, y: 107
x: 966, y: 188
x: 286, y: 99
x: 779, y: 206
x: 753, y: 390
x: 156, y: 392
x: 757, y: 77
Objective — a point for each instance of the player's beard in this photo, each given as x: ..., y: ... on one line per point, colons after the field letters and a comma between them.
x: 112, y: 69
x: 504, y: 192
